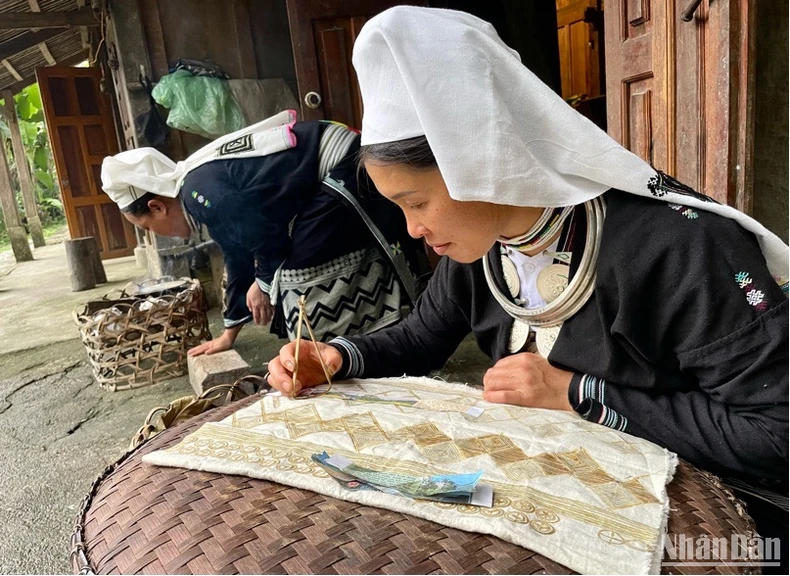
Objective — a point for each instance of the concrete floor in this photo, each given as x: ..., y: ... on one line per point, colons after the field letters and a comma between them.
x: 58, y: 429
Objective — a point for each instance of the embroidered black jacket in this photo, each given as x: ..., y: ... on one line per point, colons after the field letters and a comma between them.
x: 271, y: 210
x: 684, y: 341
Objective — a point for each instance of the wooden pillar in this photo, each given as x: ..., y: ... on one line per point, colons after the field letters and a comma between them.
x: 15, y: 231
x: 23, y: 170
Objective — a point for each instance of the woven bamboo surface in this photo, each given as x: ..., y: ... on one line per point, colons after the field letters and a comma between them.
x: 134, y: 341
x: 146, y: 519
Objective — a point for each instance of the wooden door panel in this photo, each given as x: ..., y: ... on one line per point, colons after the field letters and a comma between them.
x: 115, y: 227
x: 579, y: 49
x: 677, y: 92
x: 566, y: 64
x: 640, y: 121
x: 323, y: 34
x: 635, y: 68
x: 335, y: 39
x: 73, y: 177
x: 82, y: 133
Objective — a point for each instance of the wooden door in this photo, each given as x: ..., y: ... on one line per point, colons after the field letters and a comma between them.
x: 322, y: 35
x: 579, y: 36
x: 82, y: 133
x: 677, y: 91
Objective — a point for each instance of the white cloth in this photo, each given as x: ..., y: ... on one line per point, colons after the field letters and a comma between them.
x: 585, y: 496
x: 130, y: 174
x: 529, y: 268
x: 498, y: 133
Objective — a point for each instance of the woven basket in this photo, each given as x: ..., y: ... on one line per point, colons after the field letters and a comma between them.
x: 144, y: 519
x: 140, y: 335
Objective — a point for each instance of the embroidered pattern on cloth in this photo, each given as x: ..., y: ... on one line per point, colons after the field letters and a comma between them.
x: 661, y: 184
x: 612, y: 419
x: 593, y: 499
x: 594, y: 388
x: 201, y: 199
x: 237, y: 146
x: 354, y: 294
x: 335, y: 142
x: 687, y: 212
x: 754, y: 297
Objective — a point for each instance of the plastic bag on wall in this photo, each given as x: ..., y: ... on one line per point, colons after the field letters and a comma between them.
x: 199, y: 104
x: 149, y: 125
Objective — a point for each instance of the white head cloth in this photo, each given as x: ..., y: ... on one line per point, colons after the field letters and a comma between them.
x: 128, y: 175
x: 498, y: 133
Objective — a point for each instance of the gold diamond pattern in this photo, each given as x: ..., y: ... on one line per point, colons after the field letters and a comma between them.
x: 425, y: 434
x: 623, y: 495
x: 442, y: 453
x: 585, y: 468
x: 551, y: 464
x: 364, y: 431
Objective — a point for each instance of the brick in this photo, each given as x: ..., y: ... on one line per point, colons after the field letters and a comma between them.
x: 221, y: 368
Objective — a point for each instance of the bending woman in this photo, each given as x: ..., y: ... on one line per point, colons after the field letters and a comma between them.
x: 595, y: 283
x: 282, y: 201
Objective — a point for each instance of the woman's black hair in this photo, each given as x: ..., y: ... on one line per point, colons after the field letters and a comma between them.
x: 414, y: 152
x: 140, y: 206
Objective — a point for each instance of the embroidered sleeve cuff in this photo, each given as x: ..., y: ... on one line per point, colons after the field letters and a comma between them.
x: 584, y: 386
x: 594, y: 411
x: 264, y: 286
x: 586, y: 395
x: 353, y: 363
x: 231, y: 323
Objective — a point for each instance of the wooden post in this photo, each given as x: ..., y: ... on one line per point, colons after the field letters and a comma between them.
x: 79, y: 256
x: 23, y: 170
x: 16, y: 233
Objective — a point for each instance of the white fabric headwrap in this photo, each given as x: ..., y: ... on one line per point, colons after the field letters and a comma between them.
x: 498, y: 133
x: 128, y: 175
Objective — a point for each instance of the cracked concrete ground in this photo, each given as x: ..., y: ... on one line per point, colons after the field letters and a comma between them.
x: 58, y: 429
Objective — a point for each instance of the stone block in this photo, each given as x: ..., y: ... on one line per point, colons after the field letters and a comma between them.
x: 221, y: 368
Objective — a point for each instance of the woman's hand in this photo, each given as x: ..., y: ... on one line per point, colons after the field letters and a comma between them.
x: 527, y: 380
x: 220, y: 344
x: 310, y: 371
x: 260, y: 305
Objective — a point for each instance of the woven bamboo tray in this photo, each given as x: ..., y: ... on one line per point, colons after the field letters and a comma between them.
x: 138, y: 339
x: 143, y: 519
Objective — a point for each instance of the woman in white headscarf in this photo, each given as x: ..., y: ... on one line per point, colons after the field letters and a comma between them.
x: 283, y: 201
x: 595, y: 283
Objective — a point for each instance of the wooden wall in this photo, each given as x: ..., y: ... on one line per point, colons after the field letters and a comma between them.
x: 248, y: 39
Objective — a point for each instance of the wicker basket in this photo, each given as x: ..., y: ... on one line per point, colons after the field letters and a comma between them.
x: 140, y: 335
x: 143, y: 519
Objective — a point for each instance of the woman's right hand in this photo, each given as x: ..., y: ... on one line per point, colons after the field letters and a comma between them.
x: 310, y: 371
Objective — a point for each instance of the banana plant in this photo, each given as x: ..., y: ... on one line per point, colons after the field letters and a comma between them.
x: 30, y: 113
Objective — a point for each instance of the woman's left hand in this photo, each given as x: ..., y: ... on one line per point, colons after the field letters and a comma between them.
x: 527, y: 380
x: 259, y: 304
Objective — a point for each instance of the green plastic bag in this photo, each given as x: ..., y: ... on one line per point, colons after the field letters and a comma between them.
x: 198, y: 104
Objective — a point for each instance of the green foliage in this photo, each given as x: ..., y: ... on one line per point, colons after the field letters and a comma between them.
x: 45, y: 178
x: 52, y: 209
x: 30, y: 113
x: 52, y: 202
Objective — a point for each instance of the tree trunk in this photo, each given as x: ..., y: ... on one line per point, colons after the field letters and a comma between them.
x: 80, y: 257
x: 98, y: 267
